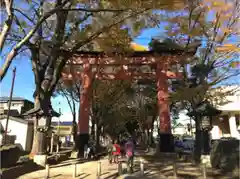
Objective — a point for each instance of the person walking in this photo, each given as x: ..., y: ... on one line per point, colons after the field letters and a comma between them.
x: 116, y: 152
x: 129, y: 148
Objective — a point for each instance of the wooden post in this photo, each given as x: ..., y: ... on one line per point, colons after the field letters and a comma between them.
x: 47, y: 172
x: 52, y: 142
x: 141, y: 167
x: 58, y: 144
x: 99, y: 170
x: 120, y: 168
x: 9, y: 106
x: 204, y: 171
x: 74, y: 170
x: 174, y: 171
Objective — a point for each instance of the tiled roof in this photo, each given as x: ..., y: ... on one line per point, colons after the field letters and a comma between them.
x: 5, y: 98
x: 34, y: 111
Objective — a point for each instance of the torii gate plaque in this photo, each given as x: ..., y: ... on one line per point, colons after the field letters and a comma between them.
x: 116, y: 66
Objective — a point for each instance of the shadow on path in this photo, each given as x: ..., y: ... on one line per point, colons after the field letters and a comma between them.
x: 17, y: 171
x: 185, y: 170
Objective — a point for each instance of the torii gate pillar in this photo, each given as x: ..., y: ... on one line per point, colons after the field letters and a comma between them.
x: 84, y: 107
x: 166, y: 138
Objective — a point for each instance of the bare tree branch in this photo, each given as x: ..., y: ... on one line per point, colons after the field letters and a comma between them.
x: 13, y: 52
x: 67, y: 98
x: 7, y: 24
x: 20, y: 25
x: 25, y: 15
x: 94, y: 10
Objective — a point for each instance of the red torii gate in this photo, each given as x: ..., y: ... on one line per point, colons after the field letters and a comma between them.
x: 122, y: 66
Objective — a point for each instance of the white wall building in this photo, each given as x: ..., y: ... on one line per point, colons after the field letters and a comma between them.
x: 20, y: 129
x: 18, y: 105
x: 228, y: 123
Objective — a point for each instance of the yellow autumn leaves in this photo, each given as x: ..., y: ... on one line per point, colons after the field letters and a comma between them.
x: 227, y: 48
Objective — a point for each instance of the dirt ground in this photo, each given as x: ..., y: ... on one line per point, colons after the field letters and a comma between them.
x: 155, y: 166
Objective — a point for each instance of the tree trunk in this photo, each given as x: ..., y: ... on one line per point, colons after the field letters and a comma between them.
x: 148, y: 136
x: 142, y: 132
x: 98, y: 132
x: 198, y: 141
x: 74, y: 123
x: 35, y: 139
x: 74, y: 131
x: 46, y: 70
x: 145, y: 137
x: 42, y: 103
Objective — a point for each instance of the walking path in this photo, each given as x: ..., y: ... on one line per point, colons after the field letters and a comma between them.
x: 84, y: 170
x: 155, y: 168
x: 65, y: 169
x: 88, y: 170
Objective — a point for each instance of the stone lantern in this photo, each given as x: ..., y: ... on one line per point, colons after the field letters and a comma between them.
x: 204, y: 112
x: 42, y: 126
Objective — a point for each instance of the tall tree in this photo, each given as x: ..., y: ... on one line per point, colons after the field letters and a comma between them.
x: 211, y: 22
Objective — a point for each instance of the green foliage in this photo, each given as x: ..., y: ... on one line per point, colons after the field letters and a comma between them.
x: 109, y: 105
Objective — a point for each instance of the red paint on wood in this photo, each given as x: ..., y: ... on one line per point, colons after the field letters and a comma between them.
x: 163, y: 101
x: 84, y: 107
x: 125, y: 75
x: 124, y: 60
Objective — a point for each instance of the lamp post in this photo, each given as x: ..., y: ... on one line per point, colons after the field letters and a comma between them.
x: 58, y: 130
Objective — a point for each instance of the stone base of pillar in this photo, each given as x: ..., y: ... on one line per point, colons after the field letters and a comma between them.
x: 40, y: 160
x: 166, y: 143
x: 82, y: 139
